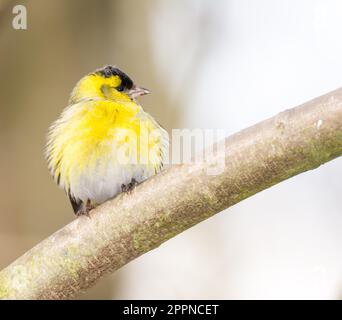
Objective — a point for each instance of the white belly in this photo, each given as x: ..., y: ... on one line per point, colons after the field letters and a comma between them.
x: 103, y: 183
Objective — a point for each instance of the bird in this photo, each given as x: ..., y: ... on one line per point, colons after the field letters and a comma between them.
x: 104, y: 143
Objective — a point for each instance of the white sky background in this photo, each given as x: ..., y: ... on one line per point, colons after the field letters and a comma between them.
x: 235, y: 63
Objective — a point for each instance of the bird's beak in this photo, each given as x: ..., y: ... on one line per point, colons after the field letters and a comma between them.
x: 137, y: 92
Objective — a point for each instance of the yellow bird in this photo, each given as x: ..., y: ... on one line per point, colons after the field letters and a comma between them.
x: 104, y: 143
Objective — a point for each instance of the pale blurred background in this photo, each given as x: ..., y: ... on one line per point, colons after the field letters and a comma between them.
x: 210, y: 64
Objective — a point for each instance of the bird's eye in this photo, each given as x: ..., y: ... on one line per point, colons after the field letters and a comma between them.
x: 120, y: 88
x: 107, y: 72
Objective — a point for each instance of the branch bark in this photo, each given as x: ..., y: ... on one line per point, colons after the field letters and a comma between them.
x: 122, y: 229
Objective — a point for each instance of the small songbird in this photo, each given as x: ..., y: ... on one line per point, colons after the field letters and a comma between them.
x: 104, y: 143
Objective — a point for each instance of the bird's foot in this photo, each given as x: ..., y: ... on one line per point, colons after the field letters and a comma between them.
x: 85, y: 209
x: 129, y: 187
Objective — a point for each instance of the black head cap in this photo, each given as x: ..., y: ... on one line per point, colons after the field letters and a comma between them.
x: 109, y: 71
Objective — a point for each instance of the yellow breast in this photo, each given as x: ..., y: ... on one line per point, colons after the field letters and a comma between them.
x: 95, y: 139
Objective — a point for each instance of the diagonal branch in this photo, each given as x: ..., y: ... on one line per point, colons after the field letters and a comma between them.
x: 122, y: 229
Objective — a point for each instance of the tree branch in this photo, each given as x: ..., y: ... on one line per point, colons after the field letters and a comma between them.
x: 122, y: 229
